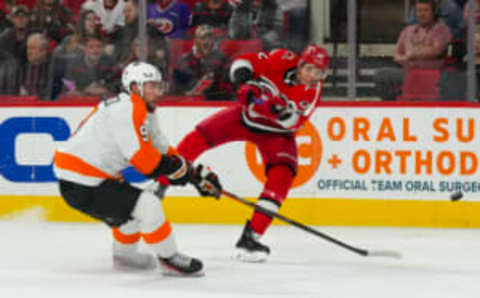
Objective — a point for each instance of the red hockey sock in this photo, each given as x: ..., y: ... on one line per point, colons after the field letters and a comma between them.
x: 279, y: 180
x: 192, y: 145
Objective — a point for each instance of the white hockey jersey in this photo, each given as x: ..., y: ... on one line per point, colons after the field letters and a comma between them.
x: 109, y: 18
x: 117, y: 133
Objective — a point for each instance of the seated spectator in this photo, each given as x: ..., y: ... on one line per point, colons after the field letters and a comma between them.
x: 53, y: 19
x: 215, y: 13
x: 9, y: 74
x: 203, y: 71
x: 86, y: 26
x: 70, y: 46
x: 34, y: 76
x: 14, y: 39
x: 157, y: 54
x: 110, y: 14
x: 170, y: 17
x: 89, y: 73
x: 123, y: 40
x: 422, y: 45
x: 261, y: 19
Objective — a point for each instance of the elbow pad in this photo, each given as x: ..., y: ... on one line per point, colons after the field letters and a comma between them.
x: 242, y: 75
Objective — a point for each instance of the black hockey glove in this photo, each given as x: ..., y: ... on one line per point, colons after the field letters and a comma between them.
x: 177, y: 169
x: 206, y: 182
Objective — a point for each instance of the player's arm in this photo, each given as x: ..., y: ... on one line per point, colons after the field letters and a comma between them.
x: 133, y: 139
x: 248, y: 66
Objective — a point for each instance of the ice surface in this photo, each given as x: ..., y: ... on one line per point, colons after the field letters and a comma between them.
x: 39, y: 259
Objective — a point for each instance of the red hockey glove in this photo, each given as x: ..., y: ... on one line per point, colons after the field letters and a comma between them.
x: 248, y: 92
x: 206, y: 182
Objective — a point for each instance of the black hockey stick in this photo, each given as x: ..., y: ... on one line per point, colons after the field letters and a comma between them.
x: 360, y: 251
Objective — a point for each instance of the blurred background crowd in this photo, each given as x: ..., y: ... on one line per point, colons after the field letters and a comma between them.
x: 57, y: 49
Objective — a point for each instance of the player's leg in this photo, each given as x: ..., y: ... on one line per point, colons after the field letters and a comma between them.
x: 157, y: 233
x: 279, y: 153
x: 126, y: 238
x: 220, y: 128
x: 120, y: 205
x: 249, y: 248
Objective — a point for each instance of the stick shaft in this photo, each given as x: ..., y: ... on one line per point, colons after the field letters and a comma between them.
x: 299, y: 225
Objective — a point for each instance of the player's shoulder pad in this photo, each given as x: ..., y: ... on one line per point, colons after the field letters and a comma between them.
x: 283, y: 58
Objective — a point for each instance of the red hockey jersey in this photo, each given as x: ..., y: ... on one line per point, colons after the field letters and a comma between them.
x: 275, y: 74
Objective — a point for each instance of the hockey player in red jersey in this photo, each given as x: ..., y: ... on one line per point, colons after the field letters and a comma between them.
x: 277, y: 93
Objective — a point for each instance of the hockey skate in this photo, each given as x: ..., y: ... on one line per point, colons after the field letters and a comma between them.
x: 134, y: 261
x: 181, y: 265
x: 249, y: 249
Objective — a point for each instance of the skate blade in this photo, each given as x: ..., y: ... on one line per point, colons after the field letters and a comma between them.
x: 122, y: 263
x: 169, y: 271
x: 250, y: 257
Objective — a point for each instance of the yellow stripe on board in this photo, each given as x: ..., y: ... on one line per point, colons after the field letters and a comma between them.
x: 344, y: 212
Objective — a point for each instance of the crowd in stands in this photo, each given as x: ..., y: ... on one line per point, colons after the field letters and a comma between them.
x: 60, y: 48
x: 431, y: 54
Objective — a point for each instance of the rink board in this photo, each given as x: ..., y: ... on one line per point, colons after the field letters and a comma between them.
x: 359, y: 164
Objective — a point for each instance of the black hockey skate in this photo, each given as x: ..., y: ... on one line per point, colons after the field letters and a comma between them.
x: 249, y: 249
x: 181, y: 265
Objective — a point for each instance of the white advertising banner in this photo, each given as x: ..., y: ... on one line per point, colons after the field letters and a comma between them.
x: 418, y: 153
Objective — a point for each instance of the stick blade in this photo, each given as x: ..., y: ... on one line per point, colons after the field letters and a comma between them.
x: 385, y: 253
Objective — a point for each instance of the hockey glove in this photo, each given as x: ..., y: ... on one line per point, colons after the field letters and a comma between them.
x: 286, y: 112
x: 179, y: 170
x: 249, y: 92
x: 206, y: 182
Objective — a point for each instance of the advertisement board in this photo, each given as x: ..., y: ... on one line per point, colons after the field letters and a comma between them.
x: 386, y: 165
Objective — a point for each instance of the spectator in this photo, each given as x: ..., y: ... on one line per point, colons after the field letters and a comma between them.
x: 86, y: 26
x: 124, y: 38
x: 110, y: 14
x: 157, y: 55
x: 53, y: 19
x: 203, y: 71
x: 419, y: 46
x: 34, y: 76
x: 258, y: 19
x: 90, y: 73
x: 170, y: 17
x: 450, y: 13
x: 14, y: 39
x: 215, y: 13
x: 9, y: 74
x: 70, y: 46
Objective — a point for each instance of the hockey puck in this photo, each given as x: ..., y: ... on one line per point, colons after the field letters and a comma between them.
x: 456, y: 196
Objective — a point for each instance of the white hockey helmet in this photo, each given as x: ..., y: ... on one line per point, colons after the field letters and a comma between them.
x: 139, y: 73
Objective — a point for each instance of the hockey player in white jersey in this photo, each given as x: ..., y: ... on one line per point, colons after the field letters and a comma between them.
x: 120, y: 132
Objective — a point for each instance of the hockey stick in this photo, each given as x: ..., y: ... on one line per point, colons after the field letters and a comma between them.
x: 360, y: 251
